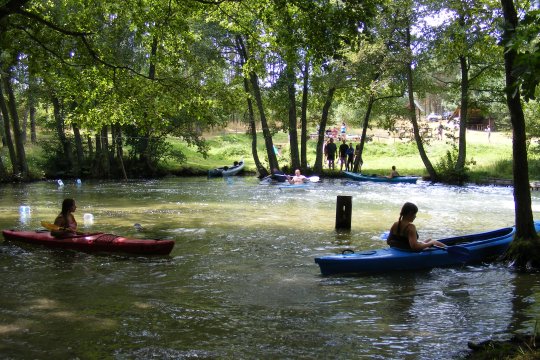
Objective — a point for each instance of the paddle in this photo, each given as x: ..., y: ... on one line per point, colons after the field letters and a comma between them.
x: 53, y: 227
x: 456, y: 250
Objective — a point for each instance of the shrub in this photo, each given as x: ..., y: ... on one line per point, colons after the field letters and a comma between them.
x: 446, y: 168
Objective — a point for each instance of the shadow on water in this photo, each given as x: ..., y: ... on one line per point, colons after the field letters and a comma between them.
x: 241, y: 281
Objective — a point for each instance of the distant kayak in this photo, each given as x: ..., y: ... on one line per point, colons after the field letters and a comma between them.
x: 226, y: 170
x: 466, y: 249
x: 99, y: 242
x: 282, y: 181
x: 305, y: 186
x: 374, y: 178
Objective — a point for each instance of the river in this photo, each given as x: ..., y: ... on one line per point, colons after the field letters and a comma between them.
x: 241, y: 281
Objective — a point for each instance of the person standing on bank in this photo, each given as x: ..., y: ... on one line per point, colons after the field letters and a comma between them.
x: 403, y: 232
x: 331, y: 150
x: 343, y: 153
x: 350, y: 158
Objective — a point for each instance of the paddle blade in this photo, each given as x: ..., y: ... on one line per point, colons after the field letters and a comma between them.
x: 49, y: 226
x: 459, y: 251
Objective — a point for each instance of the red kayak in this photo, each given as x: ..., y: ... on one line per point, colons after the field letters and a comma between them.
x: 97, y: 242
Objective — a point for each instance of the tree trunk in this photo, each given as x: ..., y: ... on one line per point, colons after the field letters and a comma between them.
x: 32, y: 105
x: 254, y: 80
x: 463, y: 117
x: 105, y: 152
x: 17, y: 134
x: 120, y: 151
x: 303, y: 119
x: 526, y: 246
x: 293, y: 124
x: 32, y: 88
x: 7, y: 134
x: 253, y: 131
x: 251, y: 113
x: 318, y: 167
x: 90, y: 147
x: 96, y: 169
x: 358, y: 161
x: 412, y: 113
x: 24, y: 125
x: 272, y: 159
x: 78, y: 146
x: 66, y: 144
x: 2, y: 124
x: 146, y: 141
x: 3, y: 171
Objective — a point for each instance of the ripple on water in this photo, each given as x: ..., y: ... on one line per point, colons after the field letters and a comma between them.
x: 241, y: 280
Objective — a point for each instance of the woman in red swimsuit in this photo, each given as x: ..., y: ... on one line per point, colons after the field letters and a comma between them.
x: 403, y: 233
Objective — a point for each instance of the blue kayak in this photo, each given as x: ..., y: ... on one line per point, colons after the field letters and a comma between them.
x: 304, y: 186
x: 466, y: 249
x: 374, y: 178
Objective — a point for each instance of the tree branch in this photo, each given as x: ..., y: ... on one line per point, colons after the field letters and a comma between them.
x: 11, y: 7
x: 215, y: 2
x: 50, y: 24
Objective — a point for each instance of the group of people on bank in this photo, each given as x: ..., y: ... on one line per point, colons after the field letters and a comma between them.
x: 346, y: 153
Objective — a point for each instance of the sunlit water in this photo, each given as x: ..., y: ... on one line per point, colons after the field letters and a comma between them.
x: 241, y: 281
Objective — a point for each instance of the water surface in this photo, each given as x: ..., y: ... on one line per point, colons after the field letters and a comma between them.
x: 241, y: 281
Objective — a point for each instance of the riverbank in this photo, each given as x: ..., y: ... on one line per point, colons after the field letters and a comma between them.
x: 519, y: 347
x: 490, y: 158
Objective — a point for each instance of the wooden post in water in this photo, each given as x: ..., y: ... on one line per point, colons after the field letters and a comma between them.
x: 343, y: 212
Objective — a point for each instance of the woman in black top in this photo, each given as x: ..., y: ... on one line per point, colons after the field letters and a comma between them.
x: 403, y: 233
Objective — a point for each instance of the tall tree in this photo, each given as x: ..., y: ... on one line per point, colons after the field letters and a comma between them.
x: 412, y: 105
x: 526, y: 247
x: 257, y: 95
x: 7, y: 137
x: 22, y: 164
x: 463, y: 39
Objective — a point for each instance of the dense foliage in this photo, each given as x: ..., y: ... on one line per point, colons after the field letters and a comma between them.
x: 115, y: 79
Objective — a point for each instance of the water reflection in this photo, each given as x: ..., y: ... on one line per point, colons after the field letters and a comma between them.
x: 241, y: 281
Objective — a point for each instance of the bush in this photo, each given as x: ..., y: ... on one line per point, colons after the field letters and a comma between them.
x: 446, y: 168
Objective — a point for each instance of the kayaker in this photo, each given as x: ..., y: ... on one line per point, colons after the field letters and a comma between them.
x: 65, y: 220
x: 298, y: 178
x: 393, y: 173
x: 403, y: 233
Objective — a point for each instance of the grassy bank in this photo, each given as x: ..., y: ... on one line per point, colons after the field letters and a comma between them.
x: 491, y: 158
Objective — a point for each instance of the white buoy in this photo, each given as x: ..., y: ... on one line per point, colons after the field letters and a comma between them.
x: 60, y: 182
x: 88, y: 219
x: 24, y: 213
x: 78, y: 182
